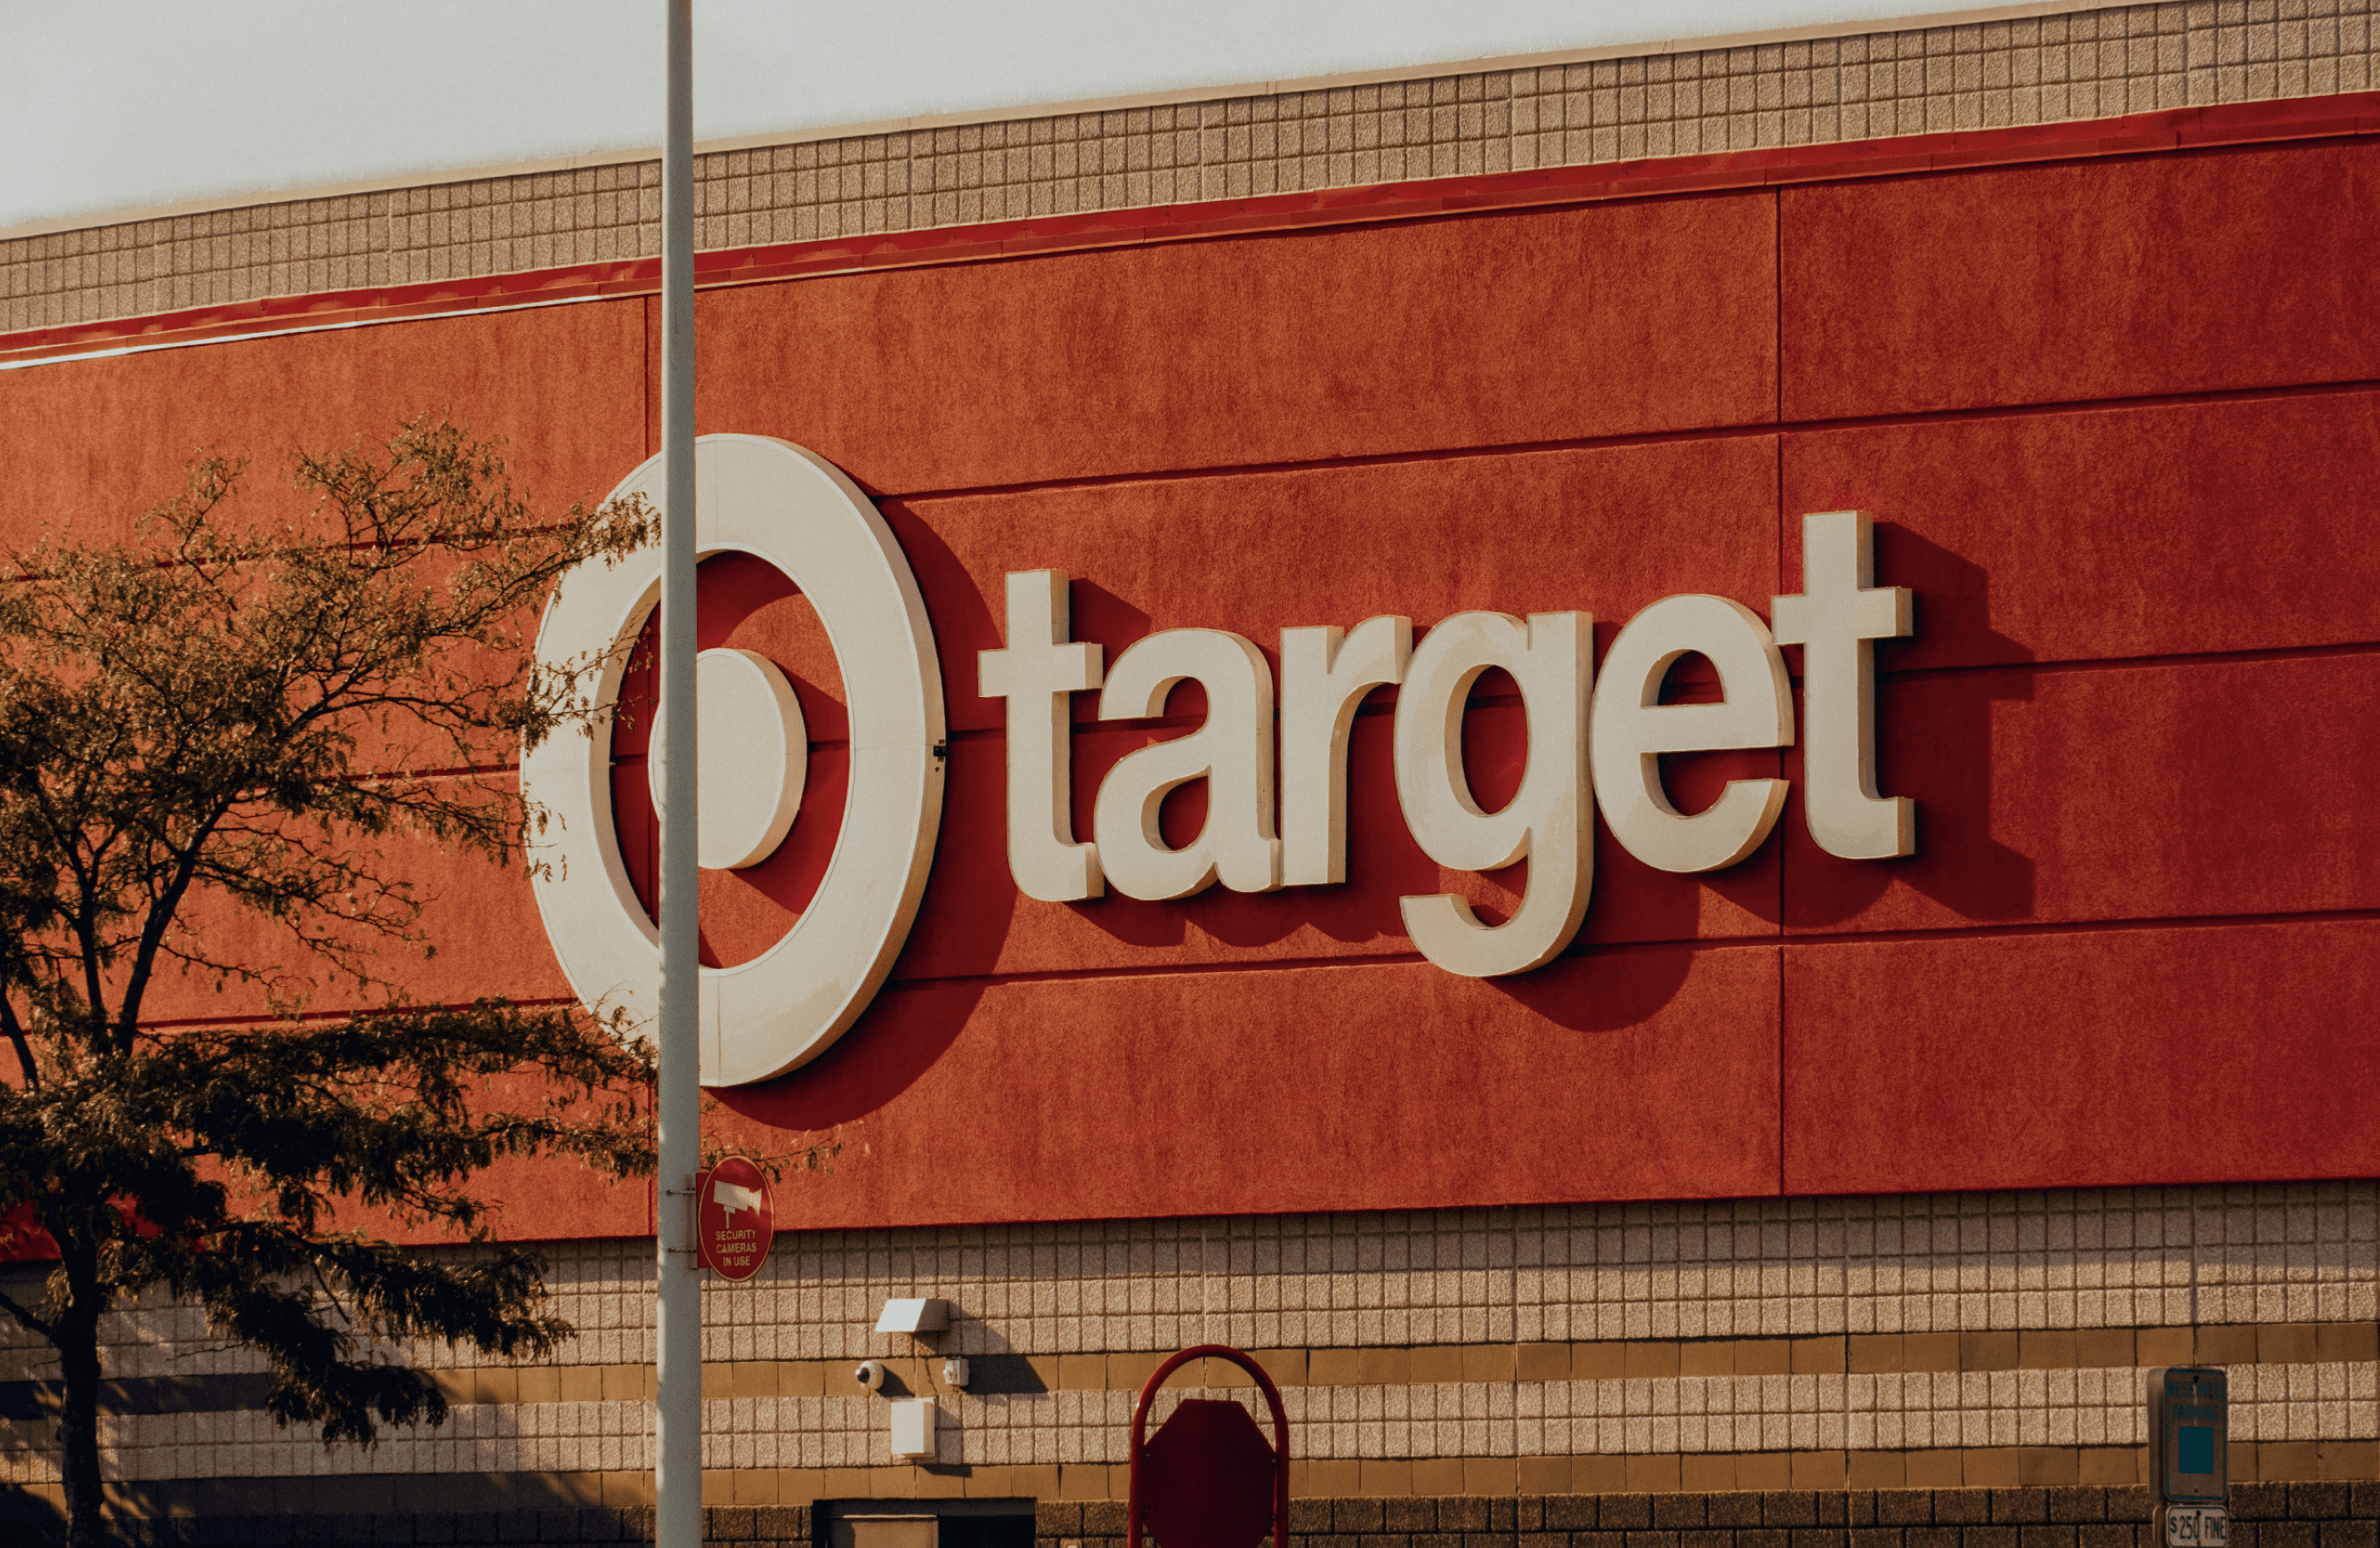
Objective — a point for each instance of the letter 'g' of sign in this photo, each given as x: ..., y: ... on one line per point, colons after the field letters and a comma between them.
x: 1547, y: 819
x: 781, y: 1009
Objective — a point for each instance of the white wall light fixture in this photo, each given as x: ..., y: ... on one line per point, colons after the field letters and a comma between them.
x: 915, y: 1316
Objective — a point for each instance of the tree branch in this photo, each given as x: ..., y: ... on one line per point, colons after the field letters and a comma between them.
x: 25, y: 1320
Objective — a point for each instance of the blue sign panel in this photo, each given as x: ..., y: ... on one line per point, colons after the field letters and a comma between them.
x: 2190, y: 1435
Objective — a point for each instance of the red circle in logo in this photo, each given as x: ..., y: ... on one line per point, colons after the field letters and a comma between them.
x: 735, y: 1218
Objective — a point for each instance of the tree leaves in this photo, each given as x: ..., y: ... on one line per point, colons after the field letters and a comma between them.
x: 242, y: 714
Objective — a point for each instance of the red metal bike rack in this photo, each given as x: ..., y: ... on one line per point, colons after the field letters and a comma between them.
x: 1198, y: 1481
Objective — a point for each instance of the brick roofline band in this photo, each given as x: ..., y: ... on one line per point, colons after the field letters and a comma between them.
x: 2343, y: 115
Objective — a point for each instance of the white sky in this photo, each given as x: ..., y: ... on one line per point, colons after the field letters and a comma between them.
x: 108, y: 105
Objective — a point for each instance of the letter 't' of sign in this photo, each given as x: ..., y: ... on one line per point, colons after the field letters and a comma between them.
x: 1548, y: 819
x: 1036, y: 673
x: 1836, y: 620
x: 1632, y: 729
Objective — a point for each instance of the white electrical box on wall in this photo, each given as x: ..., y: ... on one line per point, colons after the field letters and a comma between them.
x: 913, y: 1430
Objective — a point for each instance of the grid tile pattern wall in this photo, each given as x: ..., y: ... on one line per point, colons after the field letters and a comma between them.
x: 1695, y: 1416
x: 1755, y: 1268
x: 2091, y: 64
x: 1955, y: 1263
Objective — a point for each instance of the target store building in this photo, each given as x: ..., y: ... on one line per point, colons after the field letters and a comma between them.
x: 1660, y: 768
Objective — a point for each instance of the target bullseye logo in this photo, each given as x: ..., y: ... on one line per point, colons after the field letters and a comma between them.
x: 796, y: 511
x: 754, y: 752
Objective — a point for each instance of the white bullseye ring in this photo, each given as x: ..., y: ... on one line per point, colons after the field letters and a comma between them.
x: 784, y: 1007
x: 752, y: 751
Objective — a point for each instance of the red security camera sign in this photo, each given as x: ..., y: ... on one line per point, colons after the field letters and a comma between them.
x: 735, y: 1219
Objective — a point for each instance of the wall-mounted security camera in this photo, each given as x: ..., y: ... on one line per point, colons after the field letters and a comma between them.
x: 870, y: 1375
x: 955, y: 1371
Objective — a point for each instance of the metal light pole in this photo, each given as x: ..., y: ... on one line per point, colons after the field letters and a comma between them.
x: 677, y: 1409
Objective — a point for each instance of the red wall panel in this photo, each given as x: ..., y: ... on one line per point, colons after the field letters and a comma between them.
x: 480, y: 935
x: 1605, y: 530
x: 2173, y: 529
x: 92, y: 443
x: 1616, y: 319
x: 2074, y: 715
x: 2088, y: 279
x: 2236, y: 1052
x: 2153, y: 791
x: 1645, y: 1073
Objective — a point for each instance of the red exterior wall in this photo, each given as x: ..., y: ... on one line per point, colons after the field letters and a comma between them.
x: 2117, y: 419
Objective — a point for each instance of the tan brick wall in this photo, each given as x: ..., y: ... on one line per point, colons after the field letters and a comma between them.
x: 2093, y: 63
x: 1927, y: 1341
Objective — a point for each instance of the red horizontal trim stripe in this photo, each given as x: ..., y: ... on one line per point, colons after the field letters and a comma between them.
x: 2343, y: 114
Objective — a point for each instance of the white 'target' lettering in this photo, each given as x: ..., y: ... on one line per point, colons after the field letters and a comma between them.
x: 1233, y: 752
x: 1036, y: 673
x: 1548, y: 820
x: 1632, y: 727
x: 1324, y: 677
x: 1589, y: 747
x: 1836, y: 620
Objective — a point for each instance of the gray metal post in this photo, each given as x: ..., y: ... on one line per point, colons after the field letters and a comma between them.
x: 677, y: 1409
